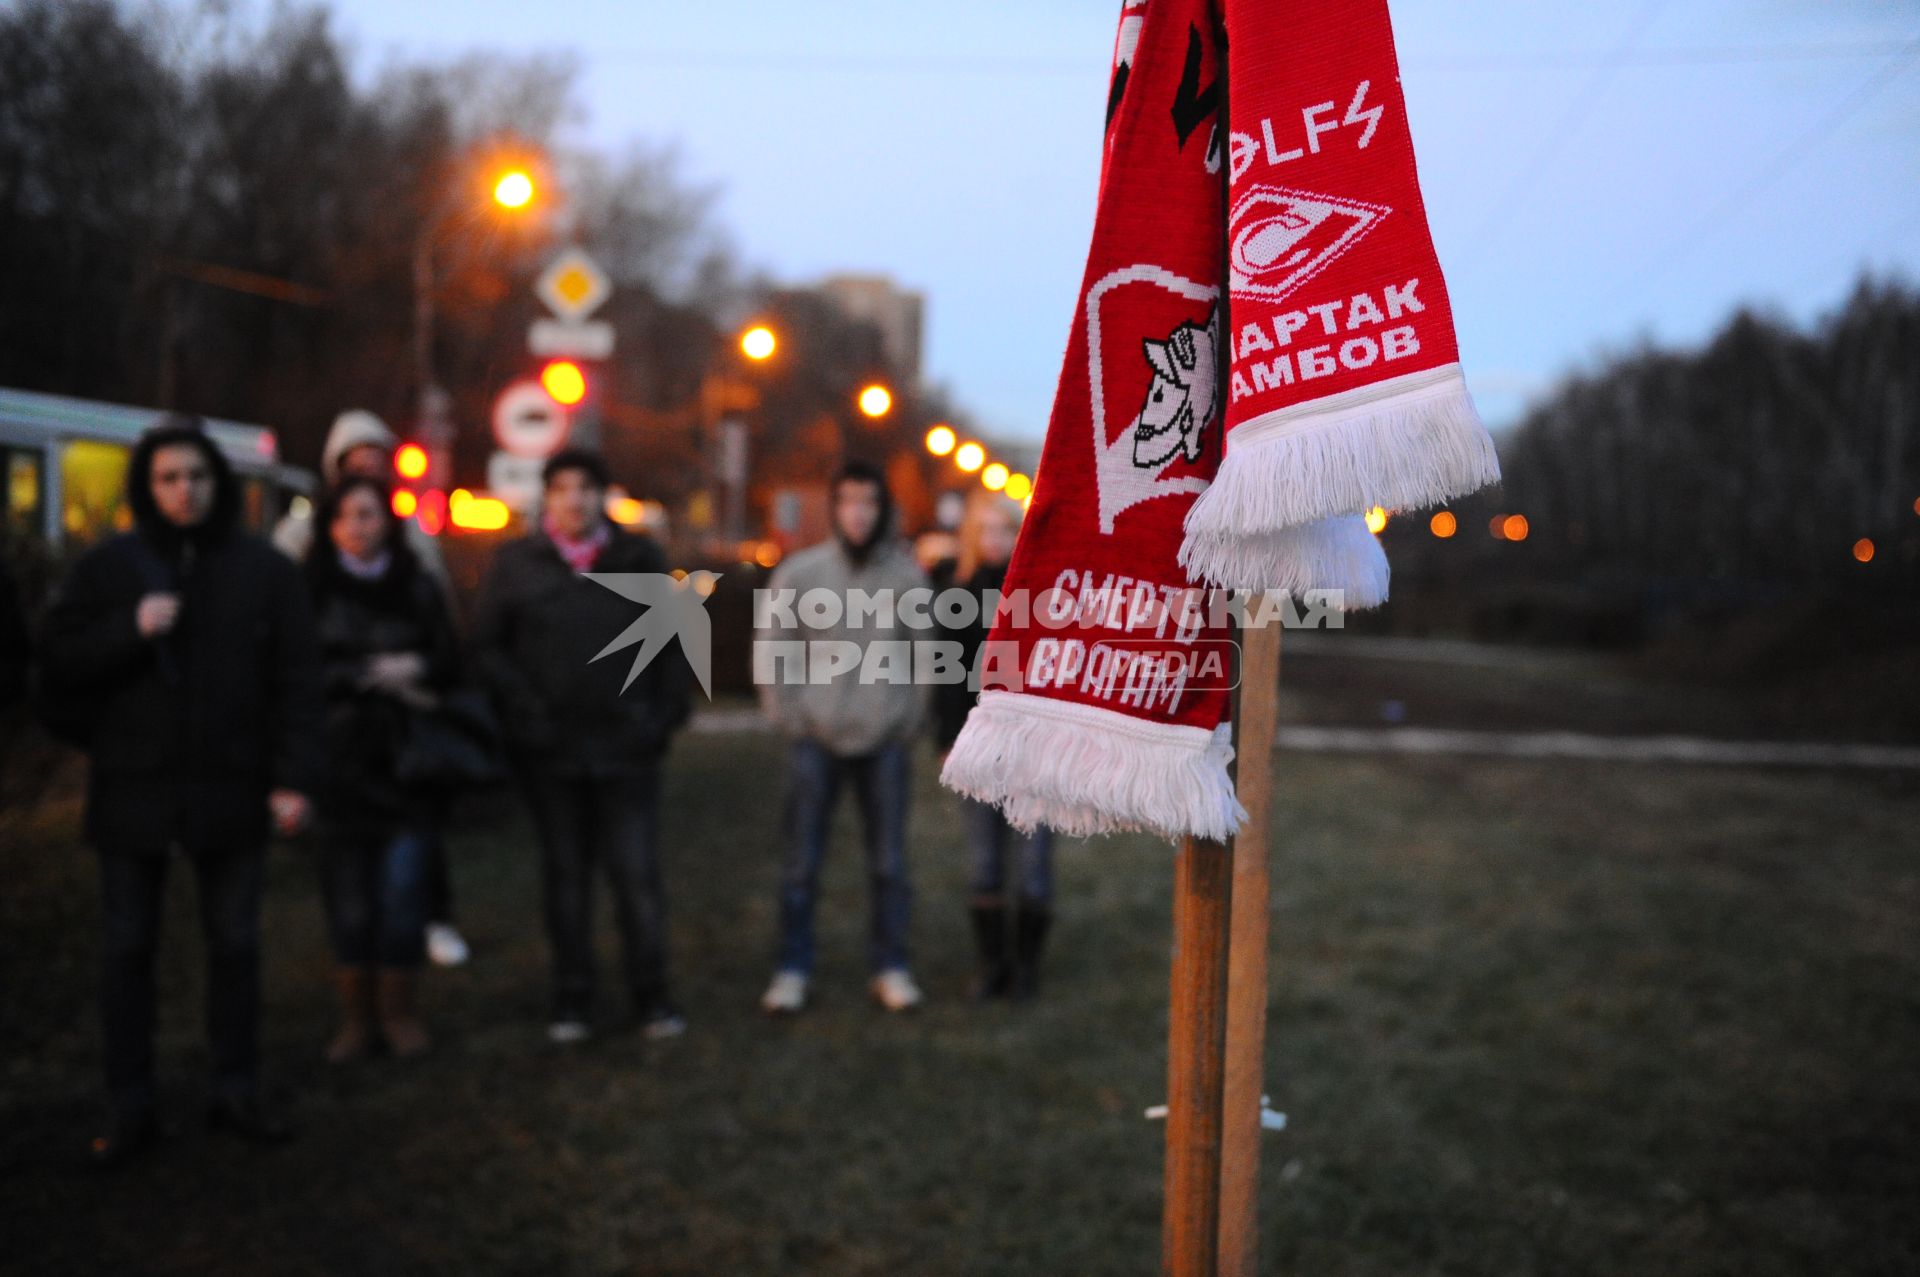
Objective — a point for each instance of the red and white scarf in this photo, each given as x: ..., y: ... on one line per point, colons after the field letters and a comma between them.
x: 1263, y: 350
x: 580, y: 553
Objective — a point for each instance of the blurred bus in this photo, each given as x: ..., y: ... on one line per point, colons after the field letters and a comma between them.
x: 63, y: 470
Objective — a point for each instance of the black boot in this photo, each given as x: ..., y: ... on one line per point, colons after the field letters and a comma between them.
x: 990, y: 933
x: 1029, y: 938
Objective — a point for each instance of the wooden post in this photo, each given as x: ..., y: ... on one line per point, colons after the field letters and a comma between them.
x: 1255, y: 721
x: 1196, y: 1030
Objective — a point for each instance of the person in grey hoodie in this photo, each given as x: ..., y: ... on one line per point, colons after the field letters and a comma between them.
x: 360, y: 444
x: 856, y: 727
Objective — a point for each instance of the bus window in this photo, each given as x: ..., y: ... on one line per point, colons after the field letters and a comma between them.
x: 93, y: 500
x: 22, y: 495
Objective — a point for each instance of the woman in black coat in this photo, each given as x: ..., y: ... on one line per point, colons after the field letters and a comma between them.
x: 987, y: 536
x: 387, y: 650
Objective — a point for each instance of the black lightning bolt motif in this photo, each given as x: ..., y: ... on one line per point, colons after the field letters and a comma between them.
x: 1191, y: 103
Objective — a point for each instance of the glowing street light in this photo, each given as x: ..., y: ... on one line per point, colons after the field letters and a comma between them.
x: 970, y: 457
x: 1444, y: 524
x: 941, y: 440
x: 1019, y: 487
x: 1514, y: 527
x: 1863, y: 550
x: 876, y: 400
x: 1376, y: 520
x: 758, y: 343
x: 514, y: 189
x: 994, y: 477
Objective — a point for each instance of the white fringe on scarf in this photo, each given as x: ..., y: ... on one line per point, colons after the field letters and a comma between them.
x: 1328, y: 554
x: 1401, y: 444
x: 1083, y: 770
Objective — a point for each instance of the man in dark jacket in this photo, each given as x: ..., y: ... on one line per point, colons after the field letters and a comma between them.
x: 589, y: 752
x: 190, y: 647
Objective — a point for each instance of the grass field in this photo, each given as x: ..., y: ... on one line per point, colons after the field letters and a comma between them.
x: 1527, y: 1018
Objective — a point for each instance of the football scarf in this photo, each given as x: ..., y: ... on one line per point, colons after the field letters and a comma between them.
x: 1261, y: 352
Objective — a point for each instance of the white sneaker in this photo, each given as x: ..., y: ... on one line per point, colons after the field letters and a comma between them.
x: 895, y: 990
x: 786, y: 994
x: 446, y: 946
x: 568, y: 1032
x: 662, y: 1022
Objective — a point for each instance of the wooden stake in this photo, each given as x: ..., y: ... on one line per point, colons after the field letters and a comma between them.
x: 1255, y: 720
x: 1190, y: 1213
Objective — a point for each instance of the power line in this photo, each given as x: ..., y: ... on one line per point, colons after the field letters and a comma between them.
x: 1782, y: 160
x: 1698, y: 55
x: 992, y: 64
x: 1569, y: 120
x: 1899, y: 230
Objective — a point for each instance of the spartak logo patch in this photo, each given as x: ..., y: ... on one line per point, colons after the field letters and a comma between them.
x: 1155, y: 386
x: 1279, y: 238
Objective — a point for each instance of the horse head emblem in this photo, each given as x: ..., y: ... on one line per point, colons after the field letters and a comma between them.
x: 1180, y: 403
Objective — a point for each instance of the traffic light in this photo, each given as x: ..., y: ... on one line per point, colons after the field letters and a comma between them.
x: 412, y: 498
x: 410, y: 462
x: 565, y: 381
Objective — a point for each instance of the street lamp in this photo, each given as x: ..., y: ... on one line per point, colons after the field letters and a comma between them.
x: 758, y: 343
x: 725, y: 438
x: 514, y: 189
x: 1019, y: 487
x: 994, y: 477
x: 941, y: 440
x: 876, y: 400
x: 970, y: 456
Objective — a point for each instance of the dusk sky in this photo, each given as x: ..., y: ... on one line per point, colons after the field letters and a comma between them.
x: 1593, y: 173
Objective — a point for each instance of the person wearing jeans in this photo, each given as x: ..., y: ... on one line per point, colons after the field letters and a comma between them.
x: 851, y: 728
x: 377, y: 895
x: 987, y: 535
x: 879, y: 782
x: 132, y: 890
x: 589, y: 736
x: 388, y: 651
x: 586, y: 822
x: 995, y: 843
x: 375, y: 890
x: 359, y: 443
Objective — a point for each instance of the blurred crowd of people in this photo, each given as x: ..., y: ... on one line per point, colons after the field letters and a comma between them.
x: 325, y: 685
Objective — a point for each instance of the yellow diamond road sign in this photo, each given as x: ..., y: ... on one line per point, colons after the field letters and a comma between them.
x: 573, y: 286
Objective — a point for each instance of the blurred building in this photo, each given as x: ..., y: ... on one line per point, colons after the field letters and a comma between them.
x: 898, y: 313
